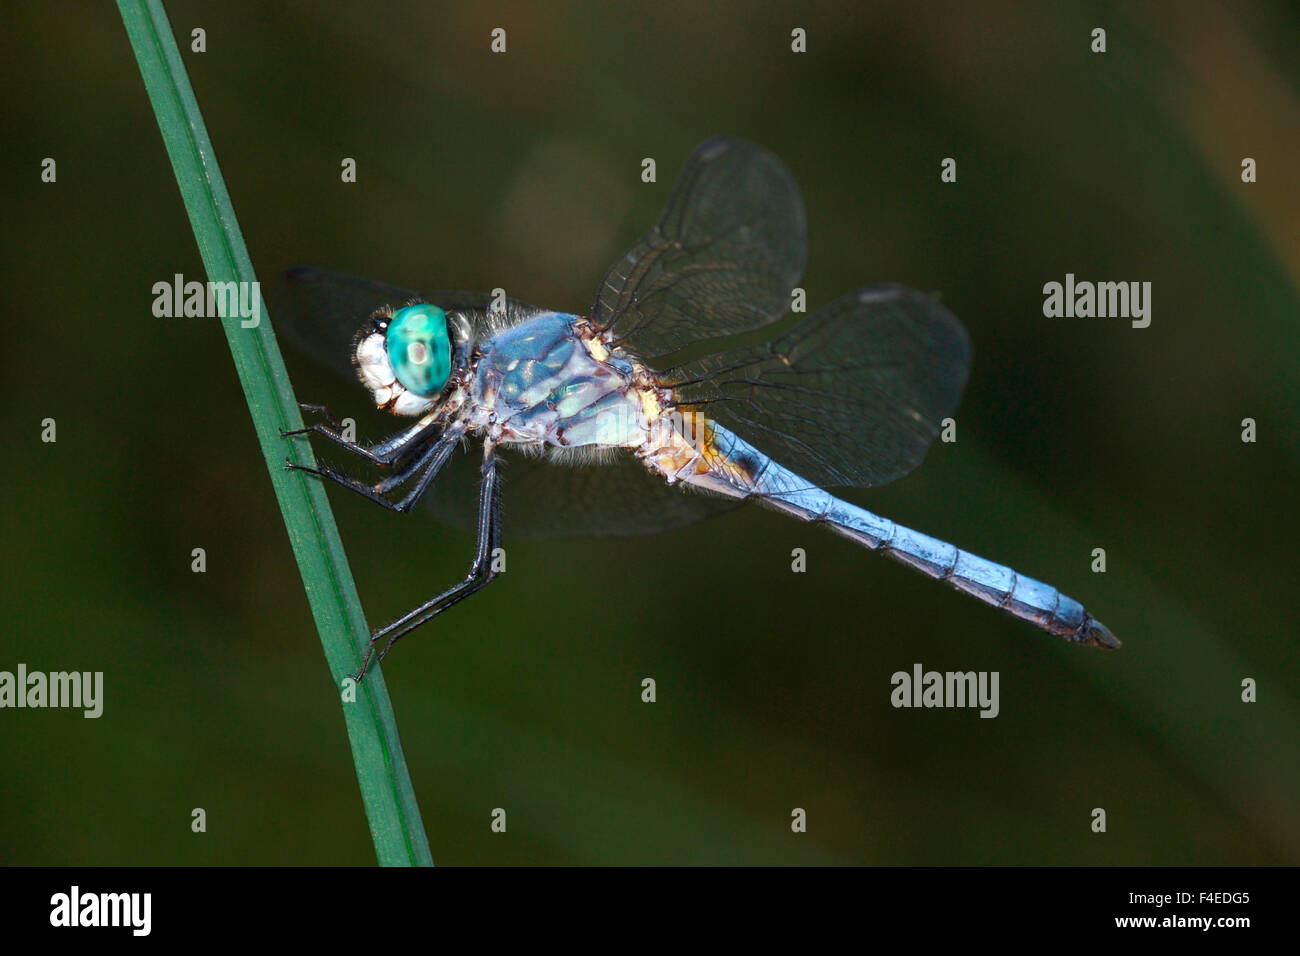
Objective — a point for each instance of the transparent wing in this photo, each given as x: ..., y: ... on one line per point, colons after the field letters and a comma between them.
x: 727, y: 251
x: 851, y: 396
x: 544, y: 499
x: 318, y: 311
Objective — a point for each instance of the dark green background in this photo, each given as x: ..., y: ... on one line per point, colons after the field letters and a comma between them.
x: 522, y: 170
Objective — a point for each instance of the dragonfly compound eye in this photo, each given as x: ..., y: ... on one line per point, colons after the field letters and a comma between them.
x: 419, y: 348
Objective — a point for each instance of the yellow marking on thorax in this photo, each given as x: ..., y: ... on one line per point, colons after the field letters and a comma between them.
x: 591, y: 339
x: 650, y: 403
x: 680, y: 440
x: 679, y: 444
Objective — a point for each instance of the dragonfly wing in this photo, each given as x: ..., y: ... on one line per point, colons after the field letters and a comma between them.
x: 851, y: 396
x: 318, y: 311
x: 541, y: 498
x: 727, y: 251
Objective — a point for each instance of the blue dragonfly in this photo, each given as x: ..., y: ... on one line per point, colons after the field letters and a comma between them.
x: 609, y: 433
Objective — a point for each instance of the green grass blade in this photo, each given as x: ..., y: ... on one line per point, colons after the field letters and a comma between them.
x: 386, y: 792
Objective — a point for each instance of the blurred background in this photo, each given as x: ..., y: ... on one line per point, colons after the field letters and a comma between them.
x: 522, y: 170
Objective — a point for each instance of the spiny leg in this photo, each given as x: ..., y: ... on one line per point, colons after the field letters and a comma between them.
x: 430, y: 461
x: 480, y: 572
x: 322, y: 410
x: 387, y: 453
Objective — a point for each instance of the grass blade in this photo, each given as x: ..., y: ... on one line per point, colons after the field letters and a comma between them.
x: 386, y: 792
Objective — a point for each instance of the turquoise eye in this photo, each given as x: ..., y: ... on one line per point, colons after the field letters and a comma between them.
x: 420, y: 348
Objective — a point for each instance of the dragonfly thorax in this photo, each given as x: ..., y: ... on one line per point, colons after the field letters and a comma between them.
x: 543, y: 383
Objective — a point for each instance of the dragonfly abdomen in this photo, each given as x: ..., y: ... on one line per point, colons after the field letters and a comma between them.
x: 747, y: 472
x: 1028, y: 599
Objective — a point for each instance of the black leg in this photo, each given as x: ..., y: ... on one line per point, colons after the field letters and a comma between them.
x: 322, y: 410
x: 430, y: 462
x: 387, y: 453
x: 480, y: 571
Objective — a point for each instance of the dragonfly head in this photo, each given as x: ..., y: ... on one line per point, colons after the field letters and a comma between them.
x: 407, y: 357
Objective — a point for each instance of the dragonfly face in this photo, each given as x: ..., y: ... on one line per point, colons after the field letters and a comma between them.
x: 852, y: 395
x: 407, y: 357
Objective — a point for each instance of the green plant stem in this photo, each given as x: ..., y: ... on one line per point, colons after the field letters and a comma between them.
x: 386, y: 791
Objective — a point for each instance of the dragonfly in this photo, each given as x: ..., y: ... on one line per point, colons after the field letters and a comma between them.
x: 597, y: 424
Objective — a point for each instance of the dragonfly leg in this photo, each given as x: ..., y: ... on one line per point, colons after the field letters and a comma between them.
x: 322, y: 410
x: 387, y: 453
x: 480, y: 573
x: 430, y: 462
